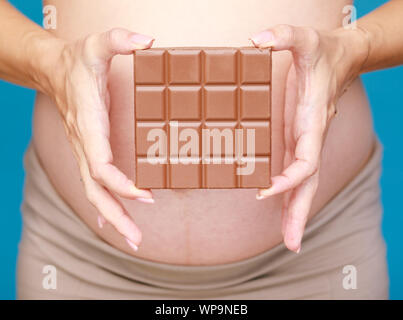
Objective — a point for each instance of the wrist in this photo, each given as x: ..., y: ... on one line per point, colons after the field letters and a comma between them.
x: 43, y: 62
x: 356, y: 46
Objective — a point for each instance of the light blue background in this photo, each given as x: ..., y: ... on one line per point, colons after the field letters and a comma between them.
x: 385, y: 92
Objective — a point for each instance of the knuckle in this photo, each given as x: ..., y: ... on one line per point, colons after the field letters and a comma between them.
x: 285, y: 31
x: 312, y: 38
x: 120, y: 215
x: 88, y: 45
x: 114, y: 33
x: 288, y: 180
x: 110, y: 36
x: 113, y: 37
x: 91, y: 196
x: 311, y: 168
x: 96, y: 171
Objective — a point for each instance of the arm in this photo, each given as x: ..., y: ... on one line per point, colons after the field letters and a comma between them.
x: 325, y: 63
x: 32, y: 57
x: 383, y: 31
x: 23, y: 44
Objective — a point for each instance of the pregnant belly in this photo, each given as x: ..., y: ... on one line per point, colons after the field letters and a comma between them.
x: 203, y: 226
x: 197, y: 226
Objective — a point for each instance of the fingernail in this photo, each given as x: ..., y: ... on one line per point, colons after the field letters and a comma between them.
x: 142, y: 39
x: 131, y: 244
x: 145, y: 200
x: 267, y: 193
x: 298, y: 251
x: 101, y: 222
x: 140, y: 193
x: 262, y: 38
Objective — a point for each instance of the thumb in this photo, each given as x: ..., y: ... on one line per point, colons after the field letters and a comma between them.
x: 286, y: 37
x: 119, y: 41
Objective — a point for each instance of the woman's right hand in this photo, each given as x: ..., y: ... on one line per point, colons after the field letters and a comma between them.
x: 79, y: 85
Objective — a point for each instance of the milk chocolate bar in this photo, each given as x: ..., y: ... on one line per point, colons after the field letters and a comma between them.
x: 202, y: 118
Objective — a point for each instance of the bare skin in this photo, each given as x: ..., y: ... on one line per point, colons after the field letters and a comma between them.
x: 72, y: 127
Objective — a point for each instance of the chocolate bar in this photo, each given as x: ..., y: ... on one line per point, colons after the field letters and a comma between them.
x: 202, y: 118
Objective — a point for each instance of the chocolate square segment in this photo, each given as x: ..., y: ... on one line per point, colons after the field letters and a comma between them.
x: 150, y: 68
x: 219, y: 139
x: 184, y: 66
x: 261, y: 173
x: 186, y: 175
x: 261, y: 137
x: 184, y: 102
x: 221, y: 176
x: 150, y: 103
x: 220, y: 102
x: 202, y: 118
x: 255, y: 67
x: 255, y: 102
x: 220, y: 66
x: 184, y: 140
x: 149, y: 134
x: 150, y: 175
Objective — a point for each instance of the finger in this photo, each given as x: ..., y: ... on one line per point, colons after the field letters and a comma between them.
x: 289, y: 114
x: 94, y: 134
x: 306, y: 163
x: 118, y: 41
x: 104, y: 172
x: 112, y: 211
x: 116, y: 181
x: 290, y: 102
x: 108, y: 206
x: 284, y: 211
x: 287, y: 37
x: 298, y: 211
x: 288, y: 158
x: 101, y: 221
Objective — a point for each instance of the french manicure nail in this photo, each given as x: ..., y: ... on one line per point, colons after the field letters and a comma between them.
x: 101, y: 222
x: 141, y: 39
x: 267, y: 193
x: 145, y: 200
x: 131, y: 244
x: 140, y: 193
x: 262, y: 37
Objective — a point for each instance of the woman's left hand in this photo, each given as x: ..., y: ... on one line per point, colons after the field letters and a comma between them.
x: 324, y: 65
